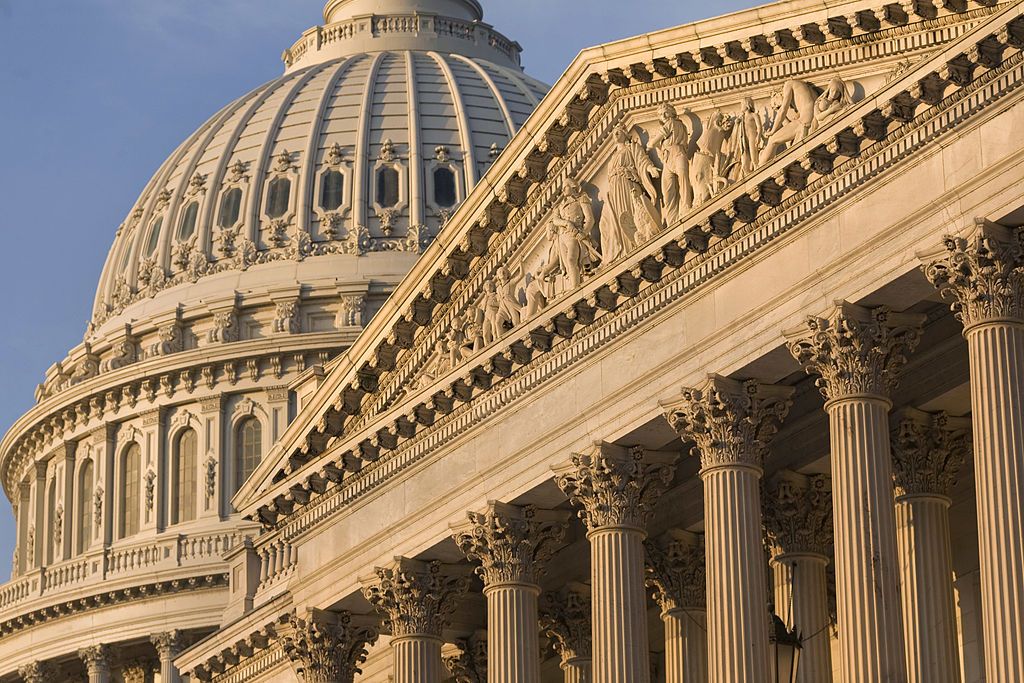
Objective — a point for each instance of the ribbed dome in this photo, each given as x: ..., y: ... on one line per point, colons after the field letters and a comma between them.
x: 348, y: 155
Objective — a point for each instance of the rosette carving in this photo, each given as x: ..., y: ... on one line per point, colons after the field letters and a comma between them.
x: 980, y: 273
x: 730, y: 422
x: 565, y: 619
x: 416, y: 598
x: 512, y: 544
x: 928, y: 450
x: 798, y: 513
x: 615, y: 486
x: 676, y: 570
x: 327, y: 647
x: 856, y: 350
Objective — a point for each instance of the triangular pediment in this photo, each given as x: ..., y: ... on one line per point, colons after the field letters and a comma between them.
x: 646, y: 154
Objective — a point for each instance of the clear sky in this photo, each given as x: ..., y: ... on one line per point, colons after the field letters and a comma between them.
x: 94, y: 94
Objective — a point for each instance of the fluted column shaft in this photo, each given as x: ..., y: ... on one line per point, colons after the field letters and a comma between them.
x: 997, y: 401
x: 929, y: 612
x: 513, y: 645
x: 577, y: 670
x: 619, y: 605
x: 867, y: 570
x: 417, y: 659
x: 686, y: 646
x: 801, y: 600
x: 736, y: 595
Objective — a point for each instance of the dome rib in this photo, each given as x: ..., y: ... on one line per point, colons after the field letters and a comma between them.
x: 359, y: 214
x: 307, y: 179
x: 499, y: 96
x: 263, y: 158
x: 416, y: 203
x: 468, y: 166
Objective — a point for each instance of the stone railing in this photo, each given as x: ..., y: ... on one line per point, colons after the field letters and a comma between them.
x: 277, y: 561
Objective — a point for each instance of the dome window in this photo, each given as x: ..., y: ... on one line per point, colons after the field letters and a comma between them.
x: 188, y: 221
x: 278, y: 192
x: 444, y: 187
x: 248, y: 449
x: 154, y: 236
x: 85, y: 503
x: 230, y: 207
x: 131, y: 483
x: 387, y: 187
x: 332, y: 190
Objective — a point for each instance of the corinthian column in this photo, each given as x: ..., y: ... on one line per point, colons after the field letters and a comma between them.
x: 928, y: 451
x: 731, y: 424
x: 328, y: 647
x: 982, y: 273
x: 168, y: 645
x: 565, y: 619
x: 97, y: 662
x: 466, y: 659
x: 615, y: 489
x: 512, y: 544
x: 858, y: 354
x: 798, y: 519
x: 38, y: 672
x: 416, y: 599
x: 675, y: 570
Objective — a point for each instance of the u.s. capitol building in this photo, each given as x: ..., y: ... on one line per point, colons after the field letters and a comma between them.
x: 704, y: 364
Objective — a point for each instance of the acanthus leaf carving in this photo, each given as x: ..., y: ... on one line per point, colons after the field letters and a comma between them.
x: 325, y: 647
x: 798, y: 513
x: 565, y: 618
x: 928, y: 451
x: 676, y: 570
x: 416, y: 597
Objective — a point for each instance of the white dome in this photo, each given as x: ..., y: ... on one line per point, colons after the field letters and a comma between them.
x: 380, y: 125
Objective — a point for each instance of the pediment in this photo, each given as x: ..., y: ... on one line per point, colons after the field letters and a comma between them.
x: 643, y: 157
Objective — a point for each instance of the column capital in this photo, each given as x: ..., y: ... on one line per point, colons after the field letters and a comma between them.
x: 416, y: 598
x: 928, y: 450
x: 980, y: 272
x: 466, y: 659
x: 38, y: 672
x: 856, y: 351
x: 676, y: 570
x: 136, y: 670
x: 96, y: 658
x: 511, y: 543
x: 565, y: 618
x: 798, y: 513
x: 615, y: 486
x: 731, y: 422
x: 168, y: 644
x: 325, y: 646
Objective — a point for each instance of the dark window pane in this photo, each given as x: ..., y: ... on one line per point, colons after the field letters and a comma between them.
x: 387, y: 186
x: 248, y: 450
x: 131, y: 482
x: 188, y: 221
x: 183, y: 501
x: 85, y: 510
x: 277, y: 197
x: 230, y: 205
x: 444, y: 187
x: 154, y: 236
x: 331, y: 190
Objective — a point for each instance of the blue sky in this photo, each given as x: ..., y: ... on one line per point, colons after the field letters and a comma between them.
x: 94, y: 94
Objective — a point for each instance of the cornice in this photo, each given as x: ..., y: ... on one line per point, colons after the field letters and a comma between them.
x: 872, y: 136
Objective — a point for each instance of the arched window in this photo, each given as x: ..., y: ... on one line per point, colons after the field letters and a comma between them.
x: 444, y: 187
x: 188, y: 221
x: 183, y: 487
x: 154, y: 236
x: 51, y: 513
x: 387, y: 186
x: 131, y: 480
x: 230, y: 206
x: 278, y: 192
x: 331, y: 189
x: 85, y: 493
x: 248, y: 449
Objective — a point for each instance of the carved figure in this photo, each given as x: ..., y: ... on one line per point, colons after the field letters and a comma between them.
x: 536, y: 294
x: 492, y: 324
x: 711, y: 164
x: 456, y: 339
x: 630, y: 214
x: 802, y: 111
x: 752, y: 130
x: 474, y: 329
x: 672, y: 141
x: 570, y: 248
x: 508, y: 295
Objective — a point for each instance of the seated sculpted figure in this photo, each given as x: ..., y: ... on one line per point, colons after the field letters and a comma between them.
x: 802, y: 111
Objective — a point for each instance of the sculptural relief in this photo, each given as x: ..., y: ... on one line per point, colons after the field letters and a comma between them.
x: 630, y: 215
x: 570, y: 246
x: 672, y: 142
x: 801, y: 111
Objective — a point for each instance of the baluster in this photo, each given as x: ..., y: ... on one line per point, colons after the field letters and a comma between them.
x: 264, y: 568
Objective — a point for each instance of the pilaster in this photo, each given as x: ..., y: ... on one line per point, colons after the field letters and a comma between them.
x: 328, y: 647
x: 37, y: 536
x: 615, y: 489
x: 798, y: 522
x: 928, y: 451
x: 565, y: 619
x: 66, y: 497
x: 858, y: 354
x: 97, y: 662
x: 214, y: 498
x: 731, y: 424
x: 512, y: 545
x: 416, y: 599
